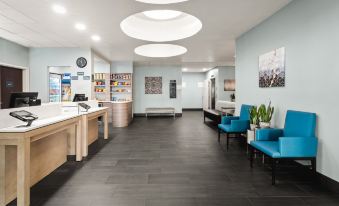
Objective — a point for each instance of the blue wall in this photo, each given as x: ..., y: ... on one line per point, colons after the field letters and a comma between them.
x: 13, y: 54
x: 309, y: 30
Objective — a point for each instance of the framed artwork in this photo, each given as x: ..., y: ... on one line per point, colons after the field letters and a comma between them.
x: 229, y: 85
x: 153, y: 85
x: 272, y: 69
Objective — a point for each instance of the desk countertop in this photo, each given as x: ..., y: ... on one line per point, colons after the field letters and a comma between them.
x: 39, y: 123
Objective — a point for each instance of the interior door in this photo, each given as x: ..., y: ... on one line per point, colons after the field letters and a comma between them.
x: 11, y: 81
x: 213, y: 93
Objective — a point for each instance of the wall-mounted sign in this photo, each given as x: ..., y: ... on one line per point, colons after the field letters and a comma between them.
x: 9, y: 84
x: 80, y: 73
x: 81, y: 62
x: 75, y: 78
x: 173, y: 89
x: 86, y: 77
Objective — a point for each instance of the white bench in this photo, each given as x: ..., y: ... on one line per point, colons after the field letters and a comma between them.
x: 160, y: 110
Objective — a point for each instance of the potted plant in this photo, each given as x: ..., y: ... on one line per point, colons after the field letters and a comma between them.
x: 254, y: 117
x: 232, y: 96
x: 265, y: 115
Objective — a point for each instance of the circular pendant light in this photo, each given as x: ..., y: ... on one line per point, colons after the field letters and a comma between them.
x: 160, y: 50
x: 161, y: 1
x: 161, y: 25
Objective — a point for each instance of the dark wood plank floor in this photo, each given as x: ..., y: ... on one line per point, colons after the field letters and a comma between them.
x: 167, y: 162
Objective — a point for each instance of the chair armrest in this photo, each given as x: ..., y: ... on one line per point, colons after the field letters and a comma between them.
x: 228, y: 119
x: 298, y: 146
x: 269, y: 134
x: 240, y: 125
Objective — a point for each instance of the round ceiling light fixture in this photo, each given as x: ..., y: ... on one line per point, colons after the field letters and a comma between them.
x: 162, y: 14
x: 161, y: 25
x: 161, y: 1
x: 160, y: 50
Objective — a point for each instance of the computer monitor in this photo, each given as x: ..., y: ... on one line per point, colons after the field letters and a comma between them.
x: 24, y: 99
x: 80, y: 98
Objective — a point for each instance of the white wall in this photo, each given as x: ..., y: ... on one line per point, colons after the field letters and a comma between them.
x: 12, y: 54
x: 142, y: 100
x: 42, y: 58
x: 122, y: 67
x: 192, y: 92
x: 309, y: 31
x: 225, y: 73
x: 102, y: 67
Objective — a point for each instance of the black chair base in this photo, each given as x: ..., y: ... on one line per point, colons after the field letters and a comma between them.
x: 228, y: 137
x: 275, y: 160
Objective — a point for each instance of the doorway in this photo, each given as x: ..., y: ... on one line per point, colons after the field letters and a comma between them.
x: 213, y: 93
x: 10, y: 81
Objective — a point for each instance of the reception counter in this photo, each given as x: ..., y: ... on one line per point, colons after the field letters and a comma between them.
x: 28, y: 154
x: 120, y: 113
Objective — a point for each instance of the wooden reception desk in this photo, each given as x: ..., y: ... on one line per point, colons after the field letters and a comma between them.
x: 120, y: 113
x: 28, y: 154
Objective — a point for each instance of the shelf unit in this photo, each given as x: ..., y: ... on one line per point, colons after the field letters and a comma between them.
x: 101, y: 86
x: 121, y: 87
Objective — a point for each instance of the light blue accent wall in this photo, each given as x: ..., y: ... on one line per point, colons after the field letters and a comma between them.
x: 309, y: 30
x: 142, y: 100
x: 13, y: 54
x: 192, y: 94
x: 42, y: 58
x: 225, y: 73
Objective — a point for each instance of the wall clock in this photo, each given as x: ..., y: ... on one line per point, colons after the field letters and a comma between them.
x: 81, y: 62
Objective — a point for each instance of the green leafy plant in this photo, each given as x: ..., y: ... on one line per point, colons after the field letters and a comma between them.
x: 265, y: 114
x: 254, y: 115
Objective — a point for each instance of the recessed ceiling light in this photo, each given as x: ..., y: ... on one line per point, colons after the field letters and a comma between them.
x: 80, y: 26
x: 59, y: 9
x: 96, y: 38
x: 160, y: 50
x: 147, y: 29
x: 184, y: 69
x: 161, y: 1
x: 162, y: 14
x: 204, y: 69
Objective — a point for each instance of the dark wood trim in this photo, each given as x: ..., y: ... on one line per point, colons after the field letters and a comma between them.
x: 157, y: 115
x: 192, y: 109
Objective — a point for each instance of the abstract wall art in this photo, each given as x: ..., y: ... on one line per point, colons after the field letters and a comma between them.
x: 229, y: 85
x: 153, y: 85
x: 272, y: 69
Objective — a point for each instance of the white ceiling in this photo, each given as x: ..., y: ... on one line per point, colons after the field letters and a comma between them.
x: 33, y: 23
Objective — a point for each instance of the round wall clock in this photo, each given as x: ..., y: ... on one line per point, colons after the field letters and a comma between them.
x: 81, y: 62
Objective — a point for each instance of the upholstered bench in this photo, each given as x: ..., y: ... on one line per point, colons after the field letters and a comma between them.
x: 160, y: 111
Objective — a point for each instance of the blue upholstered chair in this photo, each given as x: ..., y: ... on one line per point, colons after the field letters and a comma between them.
x: 235, y: 125
x: 297, y: 141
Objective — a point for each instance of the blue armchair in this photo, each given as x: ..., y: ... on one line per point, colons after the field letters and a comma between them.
x: 235, y: 125
x: 297, y: 141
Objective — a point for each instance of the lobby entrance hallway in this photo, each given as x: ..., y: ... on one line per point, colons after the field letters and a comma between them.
x: 174, y: 162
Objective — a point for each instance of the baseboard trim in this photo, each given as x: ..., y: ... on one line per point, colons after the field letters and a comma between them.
x: 328, y: 183
x: 156, y: 115
x: 192, y: 109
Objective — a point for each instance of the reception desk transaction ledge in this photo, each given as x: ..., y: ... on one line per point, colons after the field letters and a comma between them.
x: 27, y: 155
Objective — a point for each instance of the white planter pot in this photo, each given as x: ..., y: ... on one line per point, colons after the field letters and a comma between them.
x: 265, y: 124
x: 253, y: 126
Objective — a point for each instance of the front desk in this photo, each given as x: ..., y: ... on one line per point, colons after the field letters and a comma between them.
x: 28, y: 154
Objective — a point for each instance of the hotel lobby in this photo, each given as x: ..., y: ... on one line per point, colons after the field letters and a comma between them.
x: 169, y: 102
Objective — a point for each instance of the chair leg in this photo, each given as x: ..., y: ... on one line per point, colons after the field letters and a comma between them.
x: 314, y: 165
x: 219, y: 135
x: 251, y: 156
x: 227, y: 141
x: 273, y: 170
